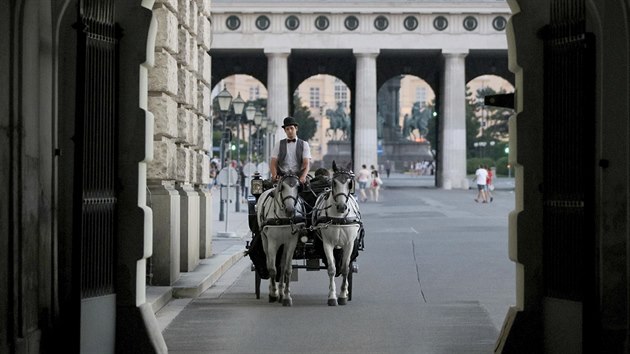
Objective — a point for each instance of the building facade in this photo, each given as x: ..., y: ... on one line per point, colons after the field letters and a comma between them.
x: 569, y: 231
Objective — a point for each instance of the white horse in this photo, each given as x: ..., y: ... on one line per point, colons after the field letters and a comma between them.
x: 336, y: 212
x: 280, y: 213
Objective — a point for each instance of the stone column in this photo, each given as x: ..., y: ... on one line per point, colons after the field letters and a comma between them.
x: 277, y: 84
x: 164, y: 201
x: 189, y: 227
x: 452, y: 157
x: 364, y: 124
x: 205, y: 222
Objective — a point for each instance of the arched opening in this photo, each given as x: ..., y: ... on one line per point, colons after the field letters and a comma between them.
x: 406, y: 125
x: 247, y: 139
x: 322, y: 105
x: 487, y: 127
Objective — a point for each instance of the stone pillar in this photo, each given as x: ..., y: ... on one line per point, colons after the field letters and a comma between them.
x: 189, y: 227
x: 277, y: 85
x: 205, y: 222
x: 452, y: 157
x: 164, y: 201
x: 364, y: 124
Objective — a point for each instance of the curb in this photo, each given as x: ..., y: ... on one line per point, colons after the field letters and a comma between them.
x: 192, y: 284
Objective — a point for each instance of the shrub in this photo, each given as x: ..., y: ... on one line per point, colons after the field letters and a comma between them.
x: 502, y: 168
x: 473, y: 163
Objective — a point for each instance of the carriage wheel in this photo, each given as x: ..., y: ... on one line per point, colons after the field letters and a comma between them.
x: 257, y: 285
x: 350, y: 283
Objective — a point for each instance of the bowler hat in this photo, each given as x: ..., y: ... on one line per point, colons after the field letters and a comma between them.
x: 289, y: 121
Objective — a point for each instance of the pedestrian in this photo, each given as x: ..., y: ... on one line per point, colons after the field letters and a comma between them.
x: 242, y: 179
x: 418, y: 168
x: 481, y: 174
x: 489, y: 184
x: 375, y: 185
x: 388, y: 167
x: 363, y: 177
x: 214, y: 170
x: 290, y: 154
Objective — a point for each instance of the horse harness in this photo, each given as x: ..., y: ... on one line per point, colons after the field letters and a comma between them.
x: 277, y: 220
x: 330, y: 220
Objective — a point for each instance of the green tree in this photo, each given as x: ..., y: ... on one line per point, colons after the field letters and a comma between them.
x: 486, y: 124
x: 472, y: 124
x: 301, y: 113
x: 496, y: 118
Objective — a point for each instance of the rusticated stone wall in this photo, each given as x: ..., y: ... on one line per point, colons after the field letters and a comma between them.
x: 179, y: 92
x: 179, y: 98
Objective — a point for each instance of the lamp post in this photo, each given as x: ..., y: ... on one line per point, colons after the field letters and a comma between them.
x: 264, y: 125
x: 272, y: 136
x: 238, y: 104
x: 250, y: 112
x: 225, y: 99
x: 258, y: 121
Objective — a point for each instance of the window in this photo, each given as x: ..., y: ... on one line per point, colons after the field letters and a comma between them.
x: 470, y: 23
x: 341, y: 93
x: 262, y: 22
x: 411, y: 23
x: 421, y: 96
x: 499, y: 23
x: 381, y: 23
x: 351, y: 23
x: 233, y: 22
x: 440, y: 23
x: 321, y: 22
x: 254, y: 93
x: 292, y: 23
x: 314, y: 97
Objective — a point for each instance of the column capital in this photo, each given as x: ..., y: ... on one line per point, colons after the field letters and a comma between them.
x: 455, y: 52
x: 270, y: 52
x: 366, y: 52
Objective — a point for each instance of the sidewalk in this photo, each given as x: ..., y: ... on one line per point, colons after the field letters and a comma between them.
x: 227, y: 251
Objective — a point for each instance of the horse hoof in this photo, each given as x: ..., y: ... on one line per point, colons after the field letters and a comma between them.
x: 342, y: 301
x: 332, y: 302
x: 273, y: 298
x: 287, y: 302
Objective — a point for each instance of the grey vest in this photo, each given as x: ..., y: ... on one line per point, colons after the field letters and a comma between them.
x: 299, y: 151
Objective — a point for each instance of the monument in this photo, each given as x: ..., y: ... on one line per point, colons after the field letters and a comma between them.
x: 406, y: 144
x: 339, y: 147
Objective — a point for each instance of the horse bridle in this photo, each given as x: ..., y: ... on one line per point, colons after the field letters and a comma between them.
x: 282, y: 199
x: 350, y: 177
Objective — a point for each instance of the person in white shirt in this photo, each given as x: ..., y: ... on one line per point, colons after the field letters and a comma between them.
x: 480, y: 178
x: 290, y: 154
x: 363, y: 177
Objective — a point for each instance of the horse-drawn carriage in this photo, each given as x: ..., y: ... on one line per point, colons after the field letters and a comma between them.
x: 312, y: 227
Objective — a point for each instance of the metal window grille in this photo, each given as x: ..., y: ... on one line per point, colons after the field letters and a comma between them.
x: 96, y: 116
x: 569, y: 150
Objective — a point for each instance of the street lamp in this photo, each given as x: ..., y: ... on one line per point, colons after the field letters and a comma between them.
x: 224, y: 98
x: 258, y: 121
x: 272, y: 136
x: 263, y: 125
x: 250, y: 112
x: 238, y: 104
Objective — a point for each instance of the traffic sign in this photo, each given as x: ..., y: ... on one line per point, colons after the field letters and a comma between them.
x: 263, y: 168
x: 227, y: 174
x: 249, y: 169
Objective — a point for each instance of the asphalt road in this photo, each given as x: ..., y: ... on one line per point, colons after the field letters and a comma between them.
x: 434, y: 278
